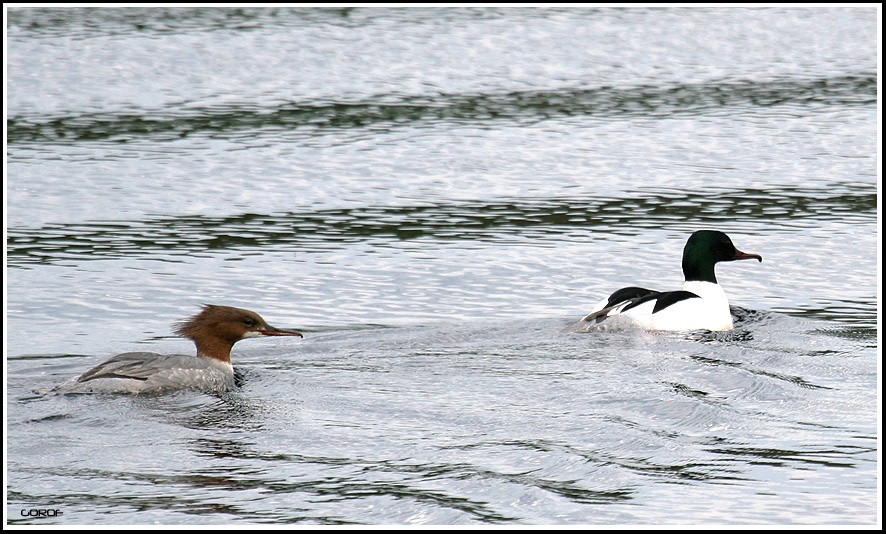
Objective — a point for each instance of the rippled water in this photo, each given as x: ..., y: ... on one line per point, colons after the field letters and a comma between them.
x: 435, y: 196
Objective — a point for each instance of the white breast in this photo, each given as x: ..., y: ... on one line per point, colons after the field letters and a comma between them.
x: 709, y: 312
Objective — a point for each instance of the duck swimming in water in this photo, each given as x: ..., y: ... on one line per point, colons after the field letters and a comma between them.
x: 214, y: 331
x: 700, y: 305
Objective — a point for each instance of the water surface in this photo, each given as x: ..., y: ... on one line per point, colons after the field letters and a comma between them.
x: 435, y: 195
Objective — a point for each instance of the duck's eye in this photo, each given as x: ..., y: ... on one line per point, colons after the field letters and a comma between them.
x: 250, y: 322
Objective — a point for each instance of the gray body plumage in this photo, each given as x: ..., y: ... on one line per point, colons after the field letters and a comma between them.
x: 146, y: 372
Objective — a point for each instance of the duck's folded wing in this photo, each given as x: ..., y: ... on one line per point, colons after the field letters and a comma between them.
x: 641, y: 301
x: 137, y: 366
x: 616, y: 302
x: 671, y: 297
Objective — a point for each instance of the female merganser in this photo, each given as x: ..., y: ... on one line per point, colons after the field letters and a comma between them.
x: 700, y: 305
x: 214, y: 331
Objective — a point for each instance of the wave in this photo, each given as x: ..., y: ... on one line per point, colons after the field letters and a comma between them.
x: 310, y: 118
x: 456, y: 220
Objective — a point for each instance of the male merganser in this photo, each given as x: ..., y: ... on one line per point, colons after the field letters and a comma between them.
x: 214, y: 331
x: 700, y: 305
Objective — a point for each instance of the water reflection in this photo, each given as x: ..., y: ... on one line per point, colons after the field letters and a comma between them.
x: 86, y: 23
x: 311, y: 119
x: 476, y: 220
x: 779, y: 456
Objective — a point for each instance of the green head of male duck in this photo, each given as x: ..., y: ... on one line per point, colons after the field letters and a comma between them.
x: 704, y: 249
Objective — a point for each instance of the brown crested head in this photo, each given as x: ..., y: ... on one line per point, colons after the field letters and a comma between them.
x: 216, y: 328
